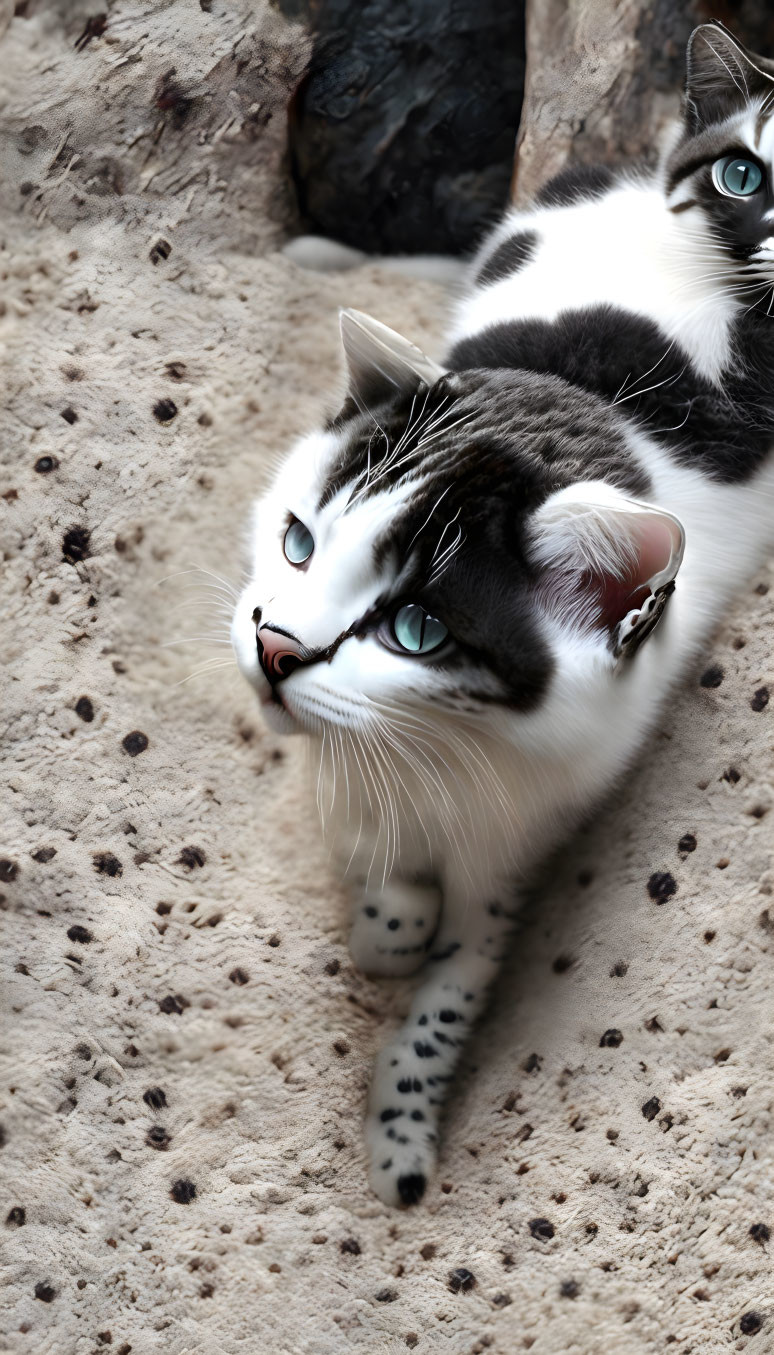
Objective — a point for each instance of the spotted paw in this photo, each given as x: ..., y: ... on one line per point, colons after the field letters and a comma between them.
x: 401, y: 1166
x: 392, y: 928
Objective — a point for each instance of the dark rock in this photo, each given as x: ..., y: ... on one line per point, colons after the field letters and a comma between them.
x: 661, y: 886
x: 158, y: 1137
x: 183, y: 1191
x: 105, y: 863
x: 461, y: 1281
x: 712, y: 676
x: 760, y: 699
x: 191, y: 857
x: 402, y: 132
x: 611, y: 1039
x: 79, y: 934
x: 159, y: 251
x: 134, y: 743
x: 76, y: 545
x: 155, y: 1097
x: 173, y: 1004
x: 44, y: 854
x: 164, y: 411
x: 84, y: 709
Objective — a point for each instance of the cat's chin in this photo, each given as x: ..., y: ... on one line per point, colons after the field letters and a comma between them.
x: 279, y: 718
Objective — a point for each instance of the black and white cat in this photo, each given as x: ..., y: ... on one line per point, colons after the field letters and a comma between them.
x: 455, y: 586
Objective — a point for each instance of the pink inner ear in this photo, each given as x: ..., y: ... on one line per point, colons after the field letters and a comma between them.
x: 617, y: 596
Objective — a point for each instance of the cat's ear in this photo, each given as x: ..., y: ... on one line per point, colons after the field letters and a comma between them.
x: 721, y: 75
x: 608, y: 562
x: 380, y: 361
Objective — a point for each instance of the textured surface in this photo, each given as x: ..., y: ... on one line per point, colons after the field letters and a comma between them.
x: 603, y: 77
x: 205, y: 1030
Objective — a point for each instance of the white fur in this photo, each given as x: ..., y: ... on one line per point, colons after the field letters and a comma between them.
x: 632, y: 254
x: 411, y: 784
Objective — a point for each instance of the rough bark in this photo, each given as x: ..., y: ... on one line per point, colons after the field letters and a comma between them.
x: 180, y: 127
x: 603, y: 77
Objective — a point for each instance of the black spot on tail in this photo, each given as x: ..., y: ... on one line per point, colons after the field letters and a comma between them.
x: 412, y: 1188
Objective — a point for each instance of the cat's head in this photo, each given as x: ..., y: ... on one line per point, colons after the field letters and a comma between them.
x: 720, y: 166
x: 456, y: 551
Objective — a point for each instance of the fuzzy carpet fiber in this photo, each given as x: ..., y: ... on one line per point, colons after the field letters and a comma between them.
x: 186, y: 1045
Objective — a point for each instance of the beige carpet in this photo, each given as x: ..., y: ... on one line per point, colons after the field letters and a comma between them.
x: 186, y: 1045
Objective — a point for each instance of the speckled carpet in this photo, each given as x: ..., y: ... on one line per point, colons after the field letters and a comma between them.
x: 186, y: 1045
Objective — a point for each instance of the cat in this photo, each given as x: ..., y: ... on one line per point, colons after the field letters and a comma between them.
x: 474, y: 589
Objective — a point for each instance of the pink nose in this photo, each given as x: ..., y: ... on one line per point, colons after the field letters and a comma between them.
x: 278, y: 653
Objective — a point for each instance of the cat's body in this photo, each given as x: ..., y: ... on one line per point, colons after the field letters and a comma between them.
x: 476, y: 555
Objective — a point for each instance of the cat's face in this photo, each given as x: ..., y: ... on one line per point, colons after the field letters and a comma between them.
x: 445, y: 557
x: 722, y: 164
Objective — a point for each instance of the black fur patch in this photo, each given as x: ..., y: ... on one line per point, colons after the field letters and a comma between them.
x: 576, y: 183
x: 412, y: 1188
x: 504, y: 441
x: 424, y: 1050
x: 618, y: 355
x: 508, y: 258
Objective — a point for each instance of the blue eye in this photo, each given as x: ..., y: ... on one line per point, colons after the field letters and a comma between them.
x: 416, y: 631
x: 298, y: 544
x: 737, y: 177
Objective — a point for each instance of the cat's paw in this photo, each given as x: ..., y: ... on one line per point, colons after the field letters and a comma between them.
x: 401, y: 1126
x: 392, y: 928
x: 401, y: 1163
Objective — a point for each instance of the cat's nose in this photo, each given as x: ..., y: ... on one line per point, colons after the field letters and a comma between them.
x: 279, y: 652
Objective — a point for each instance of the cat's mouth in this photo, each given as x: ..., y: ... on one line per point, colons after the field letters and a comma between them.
x: 277, y: 713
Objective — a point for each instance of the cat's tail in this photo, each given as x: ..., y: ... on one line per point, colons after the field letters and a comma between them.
x: 319, y: 255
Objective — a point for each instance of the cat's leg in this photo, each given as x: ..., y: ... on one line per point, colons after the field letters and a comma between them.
x: 392, y: 927
x: 413, y: 1075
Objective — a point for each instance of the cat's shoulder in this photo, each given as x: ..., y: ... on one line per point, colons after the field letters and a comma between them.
x: 576, y: 201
